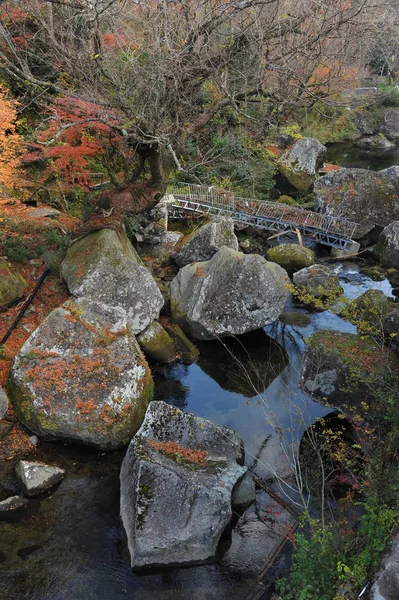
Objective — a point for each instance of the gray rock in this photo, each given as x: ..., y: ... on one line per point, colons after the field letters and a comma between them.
x: 302, y: 162
x: 375, y: 141
x: 157, y: 343
x: 244, y: 492
x: 206, y: 241
x: 12, y: 506
x: 391, y: 327
x: 366, y: 197
x: 44, y: 211
x: 36, y: 477
x: 388, y: 245
x: 163, y: 247
x: 255, y: 536
x: 174, y: 511
x: 318, y: 281
x: 81, y: 376
x: 342, y: 368
x: 104, y: 267
x: 390, y: 126
x: 230, y: 294
x: 11, y: 285
x: 3, y: 403
x: 386, y: 585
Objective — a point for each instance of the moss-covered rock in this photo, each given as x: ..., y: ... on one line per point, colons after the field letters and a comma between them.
x: 341, y: 368
x: 81, y: 376
x: 301, y: 163
x: 368, y: 311
x: 104, y: 267
x: 288, y: 200
x: 375, y: 272
x: 187, y: 351
x: 11, y: 286
x: 317, y: 286
x: 291, y: 257
x: 157, y: 343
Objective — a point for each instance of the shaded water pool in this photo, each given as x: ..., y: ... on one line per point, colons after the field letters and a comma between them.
x: 347, y: 154
x: 71, y: 545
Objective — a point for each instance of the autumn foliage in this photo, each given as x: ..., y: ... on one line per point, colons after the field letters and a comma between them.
x: 11, y: 143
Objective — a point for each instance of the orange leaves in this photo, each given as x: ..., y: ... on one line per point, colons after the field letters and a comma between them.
x: 179, y: 453
x: 11, y: 143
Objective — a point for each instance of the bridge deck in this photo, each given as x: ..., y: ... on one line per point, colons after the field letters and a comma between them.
x: 331, y: 231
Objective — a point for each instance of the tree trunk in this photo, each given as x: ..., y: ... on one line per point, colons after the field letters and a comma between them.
x: 158, y: 177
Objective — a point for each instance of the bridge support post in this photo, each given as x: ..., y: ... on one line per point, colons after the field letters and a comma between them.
x: 352, y: 248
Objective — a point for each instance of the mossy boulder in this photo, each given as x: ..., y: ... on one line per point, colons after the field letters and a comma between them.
x: 368, y: 311
x: 187, y: 351
x: 317, y: 286
x: 104, y: 267
x: 203, y: 243
x: 230, y: 294
x: 301, y: 163
x: 288, y: 200
x: 177, y: 479
x: 291, y: 257
x: 11, y: 286
x: 368, y: 198
x: 157, y: 343
x: 388, y: 245
x: 342, y: 368
x: 378, y: 142
x: 375, y: 272
x: 81, y: 377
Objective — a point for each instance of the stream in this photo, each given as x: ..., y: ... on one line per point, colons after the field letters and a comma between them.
x: 71, y: 546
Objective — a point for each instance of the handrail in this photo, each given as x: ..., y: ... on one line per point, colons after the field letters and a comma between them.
x: 293, y: 215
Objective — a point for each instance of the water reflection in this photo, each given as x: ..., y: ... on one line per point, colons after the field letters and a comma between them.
x: 347, y: 154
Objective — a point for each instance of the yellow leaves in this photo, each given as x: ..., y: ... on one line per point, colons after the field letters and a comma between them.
x: 11, y: 143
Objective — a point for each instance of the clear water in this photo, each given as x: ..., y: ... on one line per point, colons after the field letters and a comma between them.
x: 72, y: 545
x: 348, y: 155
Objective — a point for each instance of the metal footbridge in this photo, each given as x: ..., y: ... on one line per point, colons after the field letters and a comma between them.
x: 331, y: 231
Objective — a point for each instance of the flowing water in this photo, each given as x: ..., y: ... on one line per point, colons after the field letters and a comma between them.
x: 71, y: 545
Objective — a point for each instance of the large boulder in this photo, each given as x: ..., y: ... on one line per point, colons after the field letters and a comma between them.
x: 386, y: 585
x: 301, y: 163
x: 388, y: 245
x: 378, y: 142
x: 368, y: 198
x: 36, y: 478
x: 291, y: 257
x: 206, y: 241
x: 81, y: 376
x: 11, y: 286
x: 103, y: 266
x: 317, y: 283
x: 230, y: 294
x: 176, y: 487
x: 390, y: 126
x: 367, y: 311
x: 342, y: 368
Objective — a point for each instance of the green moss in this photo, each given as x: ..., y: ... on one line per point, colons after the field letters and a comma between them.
x: 291, y: 257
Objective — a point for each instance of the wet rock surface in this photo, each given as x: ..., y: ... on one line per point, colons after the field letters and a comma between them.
x: 228, y: 295
x: 366, y: 197
x: 36, y: 478
x: 12, y: 508
x: 175, y: 509
x: 81, y: 376
x: 104, y: 267
x: 206, y: 241
x: 301, y: 163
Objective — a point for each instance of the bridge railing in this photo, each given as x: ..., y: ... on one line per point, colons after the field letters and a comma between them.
x: 293, y: 215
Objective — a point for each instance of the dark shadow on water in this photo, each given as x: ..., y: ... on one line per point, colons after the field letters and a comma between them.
x: 347, y: 154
